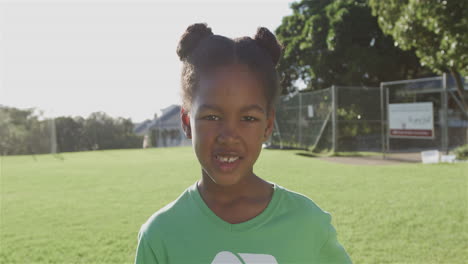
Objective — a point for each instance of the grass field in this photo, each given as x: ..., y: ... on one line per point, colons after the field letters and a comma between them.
x: 87, y: 207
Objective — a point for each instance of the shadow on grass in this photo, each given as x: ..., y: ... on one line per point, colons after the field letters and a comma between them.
x: 336, y: 154
x: 369, y: 156
x: 308, y: 155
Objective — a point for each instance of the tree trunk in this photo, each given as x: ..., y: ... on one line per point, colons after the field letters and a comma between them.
x: 460, y: 87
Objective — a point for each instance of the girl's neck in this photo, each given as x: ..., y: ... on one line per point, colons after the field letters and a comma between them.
x: 251, y: 187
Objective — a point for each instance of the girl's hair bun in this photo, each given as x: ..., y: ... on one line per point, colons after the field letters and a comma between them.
x: 191, y: 37
x: 267, y: 41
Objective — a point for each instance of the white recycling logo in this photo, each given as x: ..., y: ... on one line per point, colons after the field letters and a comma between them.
x: 226, y: 257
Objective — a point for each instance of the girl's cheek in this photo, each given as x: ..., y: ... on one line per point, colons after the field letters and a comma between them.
x: 204, y: 132
x: 256, y: 130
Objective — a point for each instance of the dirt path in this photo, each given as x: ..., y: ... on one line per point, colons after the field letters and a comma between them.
x: 391, y: 159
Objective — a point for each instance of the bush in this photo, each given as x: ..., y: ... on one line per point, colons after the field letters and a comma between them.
x: 461, y: 152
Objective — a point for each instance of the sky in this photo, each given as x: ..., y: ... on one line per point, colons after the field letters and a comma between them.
x: 72, y: 58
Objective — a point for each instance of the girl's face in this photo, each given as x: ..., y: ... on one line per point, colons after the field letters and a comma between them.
x: 229, y: 122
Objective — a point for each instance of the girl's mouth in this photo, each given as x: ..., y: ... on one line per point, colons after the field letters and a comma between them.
x: 227, y: 162
x: 228, y: 159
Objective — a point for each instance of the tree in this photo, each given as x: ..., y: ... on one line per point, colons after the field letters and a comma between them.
x: 22, y: 131
x: 99, y: 131
x: 13, y: 130
x: 69, y: 134
x: 103, y: 132
x: 340, y: 43
x: 437, y: 30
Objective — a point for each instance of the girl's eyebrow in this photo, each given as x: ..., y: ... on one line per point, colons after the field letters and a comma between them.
x: 254, y: 107
x: 209, y: 107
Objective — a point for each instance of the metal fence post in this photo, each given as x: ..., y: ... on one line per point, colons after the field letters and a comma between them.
x: 299, y: 120
x: 444, y: 117
x: 334, y: 119
x: 53, y: 136
x: 382, y: 119
x: 387, y: 121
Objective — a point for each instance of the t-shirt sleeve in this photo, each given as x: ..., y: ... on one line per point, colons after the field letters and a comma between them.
x: 144, y: 253
x: 332, y: 252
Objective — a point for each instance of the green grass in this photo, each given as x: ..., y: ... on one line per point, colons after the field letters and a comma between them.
x: 87, y: 207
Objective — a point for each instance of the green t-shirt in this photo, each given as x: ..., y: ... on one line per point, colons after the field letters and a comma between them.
x: 292, y: 229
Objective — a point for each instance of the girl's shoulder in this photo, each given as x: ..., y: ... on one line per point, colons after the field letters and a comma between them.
x: 300, y: 204
x: 169, y: 215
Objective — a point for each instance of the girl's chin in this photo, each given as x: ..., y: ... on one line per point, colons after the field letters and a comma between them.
x: 224, y: 179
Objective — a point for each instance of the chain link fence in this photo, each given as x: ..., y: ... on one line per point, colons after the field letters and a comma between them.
x: 351, y: 119
x: 449, y: 119
x: 338, y: 118
x: 301, y: 119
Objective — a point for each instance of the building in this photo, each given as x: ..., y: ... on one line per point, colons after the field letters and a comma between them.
x: 164, y: 131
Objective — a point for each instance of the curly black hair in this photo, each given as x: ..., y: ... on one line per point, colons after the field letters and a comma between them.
x: 201, y: 51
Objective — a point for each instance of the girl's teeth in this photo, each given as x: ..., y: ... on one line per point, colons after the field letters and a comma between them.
x: 227, y: 159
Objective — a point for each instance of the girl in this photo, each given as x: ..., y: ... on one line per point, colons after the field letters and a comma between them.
x: 229, y: 88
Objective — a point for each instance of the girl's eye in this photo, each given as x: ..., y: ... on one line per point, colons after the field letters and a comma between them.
x: 249, y: 118
x: 211, y: 117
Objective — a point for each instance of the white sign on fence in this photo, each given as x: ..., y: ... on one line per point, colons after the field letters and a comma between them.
x: 411, y: 120
x: 310, y: 111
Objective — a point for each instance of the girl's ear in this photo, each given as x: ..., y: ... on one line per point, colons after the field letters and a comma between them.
x: 270, y: 125
x: 185, y: 118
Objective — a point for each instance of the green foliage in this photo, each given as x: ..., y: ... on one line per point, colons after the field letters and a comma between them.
x: 339, y: 43
x: 70, y: 134
x: 88, y: 207
x: 461, y: 152
x: 350, y: 124
x: 24, y: 132
x: 437, y: 30
x: 103, y: 132
x: 21, y: 132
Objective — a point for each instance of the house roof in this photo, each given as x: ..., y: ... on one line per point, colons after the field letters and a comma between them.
x: 175, y: 110
x: 142, y: 127
x: 169, y: 118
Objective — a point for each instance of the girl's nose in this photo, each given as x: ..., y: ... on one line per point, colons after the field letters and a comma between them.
x: 227, y: 134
